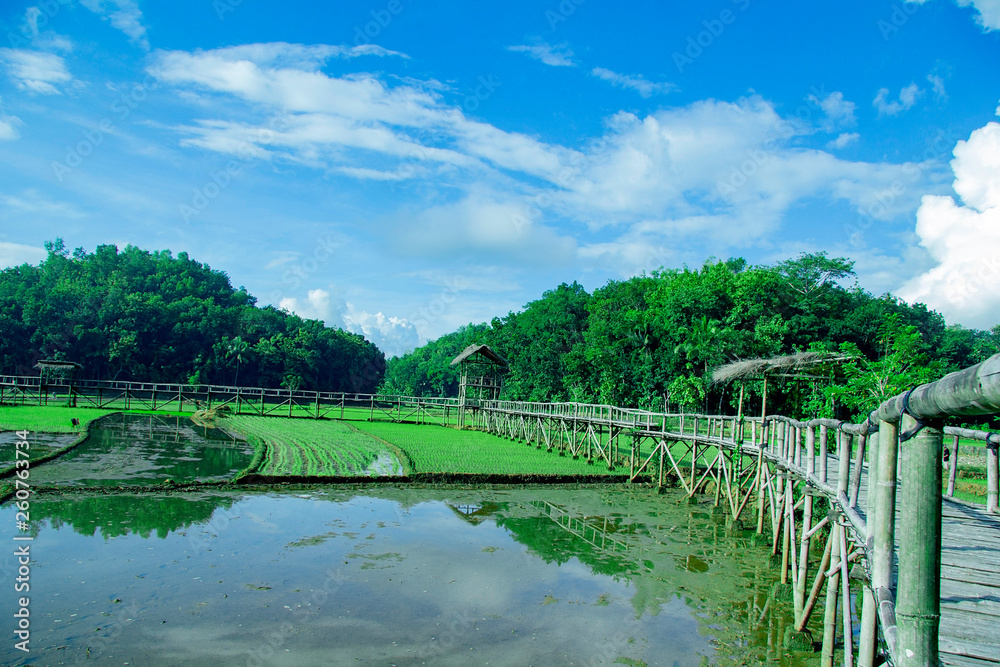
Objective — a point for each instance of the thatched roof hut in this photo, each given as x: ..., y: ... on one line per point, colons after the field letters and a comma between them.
x: 797, y: 365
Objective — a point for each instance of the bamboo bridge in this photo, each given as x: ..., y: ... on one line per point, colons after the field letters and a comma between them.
x: 872, y: 493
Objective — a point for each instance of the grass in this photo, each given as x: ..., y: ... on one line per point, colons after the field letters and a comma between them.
x: 47, y: 419
x: 433, y: 449
x: 301, y: 447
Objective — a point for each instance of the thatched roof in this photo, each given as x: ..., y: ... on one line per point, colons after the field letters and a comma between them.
x: 54, y: 365
x: 790, y: 363
x: 483, y: 350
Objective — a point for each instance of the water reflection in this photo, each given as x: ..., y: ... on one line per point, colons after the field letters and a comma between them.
x: 118, y: 515
x: 147, y: 449
x: 402, y: 576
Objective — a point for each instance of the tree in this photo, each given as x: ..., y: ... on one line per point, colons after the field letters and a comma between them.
x: 237, y: 347
x: 811, y: 271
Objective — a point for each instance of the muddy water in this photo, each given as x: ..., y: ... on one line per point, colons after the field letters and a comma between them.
x: 393, y: 576
x: 147, y: 449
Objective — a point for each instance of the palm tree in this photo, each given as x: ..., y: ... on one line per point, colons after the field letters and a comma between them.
x: 236, y: 348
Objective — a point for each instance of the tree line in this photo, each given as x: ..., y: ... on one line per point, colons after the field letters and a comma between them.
x: 652, y: 341
x: 149, y: 316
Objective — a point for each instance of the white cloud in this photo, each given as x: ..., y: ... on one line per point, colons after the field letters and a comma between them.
x: 843, y: 140
x: 713, y: 163
x: 639, y: 84
x: 35, y: 71
x: 8, y: 127
x: 33, y: 203
x: 15, y: 254
x: 557, y: 56
x: 124, y: 15
x: 838, y: 111
x: 964, y: 238
x: 937, y: 85
x: 908, y: 96
x: 486, y: 225
x: 393, y: 335
x: 339, y: 123
x: 988, y: 11
x: 714, y: 169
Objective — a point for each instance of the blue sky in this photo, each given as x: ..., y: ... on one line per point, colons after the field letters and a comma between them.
x: 401, y: 168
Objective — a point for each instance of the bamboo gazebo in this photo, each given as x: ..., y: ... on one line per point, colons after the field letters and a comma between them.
x: 482, y: 377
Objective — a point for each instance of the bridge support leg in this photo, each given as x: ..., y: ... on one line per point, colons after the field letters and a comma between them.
x: 918, y: 607
x: 832, y: 595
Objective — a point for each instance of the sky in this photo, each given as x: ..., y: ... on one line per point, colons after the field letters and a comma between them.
x: 401, y: 168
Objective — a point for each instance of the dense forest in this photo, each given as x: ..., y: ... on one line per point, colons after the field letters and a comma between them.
x: 653, y: 341
x: 149, y: 316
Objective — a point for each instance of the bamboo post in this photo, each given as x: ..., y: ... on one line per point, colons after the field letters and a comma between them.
x: 918, y: 606
x: 859, y: 462
x: 881, y: 535
x: 845, y: 582
x: 953, y: 466
x: 823, y: 450
x: 992, y: 478
x: 738, y: 430
x: 824, y: 563
x: 800, y: 583
x: 659, y: 477
x: 844, y: 470
x: 811, y: 450
x: 832, y: 595
x: 786, y: 544
x: 694, y: 462
x: 760, y: 490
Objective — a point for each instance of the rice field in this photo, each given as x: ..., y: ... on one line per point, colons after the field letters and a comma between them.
x: 433, y: 449
x: 314, y: 448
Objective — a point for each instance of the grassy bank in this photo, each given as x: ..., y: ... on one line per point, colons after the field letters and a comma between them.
x: 47, y: 419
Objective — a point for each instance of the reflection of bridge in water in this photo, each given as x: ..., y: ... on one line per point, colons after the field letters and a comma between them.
x: 596, y: 531
x: 159, y: 428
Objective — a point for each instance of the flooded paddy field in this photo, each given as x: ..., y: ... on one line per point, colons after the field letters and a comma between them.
x: 42, y: 444
x: 394, y: 575
x: 128, y: 449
